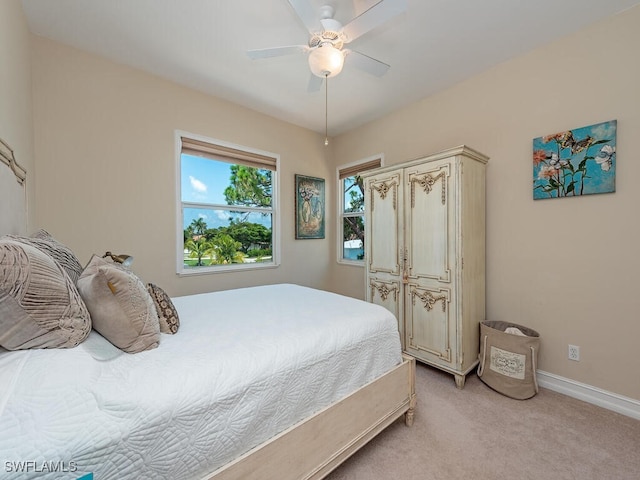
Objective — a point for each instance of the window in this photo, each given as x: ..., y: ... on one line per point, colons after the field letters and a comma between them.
x: 228, y: 215
x: 351, y: 213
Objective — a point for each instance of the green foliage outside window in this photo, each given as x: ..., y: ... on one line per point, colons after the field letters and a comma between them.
x: 241, y: 240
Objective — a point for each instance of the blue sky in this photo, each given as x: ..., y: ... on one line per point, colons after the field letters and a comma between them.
x: 204, y: 181
x: 347, y: 183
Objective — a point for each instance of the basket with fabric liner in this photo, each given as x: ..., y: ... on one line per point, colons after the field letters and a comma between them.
x: 508, y: 358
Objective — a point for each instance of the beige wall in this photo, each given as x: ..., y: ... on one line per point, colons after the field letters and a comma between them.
x: 106, y: 171
x: 16, y: 125
x: 565, y: 267
x: 104, y: 137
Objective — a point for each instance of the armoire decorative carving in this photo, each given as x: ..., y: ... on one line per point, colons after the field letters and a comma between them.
x: 425, y: 254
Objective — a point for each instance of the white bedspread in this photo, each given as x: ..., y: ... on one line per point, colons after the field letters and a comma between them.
x: 245, y: 365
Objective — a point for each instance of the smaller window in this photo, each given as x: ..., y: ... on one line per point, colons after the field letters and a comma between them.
x: 351, y: 210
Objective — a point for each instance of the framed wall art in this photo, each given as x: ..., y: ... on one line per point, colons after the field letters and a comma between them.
x: 310, y: 198
x: 576, y: 162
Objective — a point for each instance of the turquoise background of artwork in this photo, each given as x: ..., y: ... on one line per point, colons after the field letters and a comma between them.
x: 575, y: 162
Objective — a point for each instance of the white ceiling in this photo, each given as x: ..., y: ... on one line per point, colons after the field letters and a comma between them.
x: 202, y: 44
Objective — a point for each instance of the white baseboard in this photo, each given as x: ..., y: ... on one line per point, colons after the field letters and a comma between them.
x: 587, y: 393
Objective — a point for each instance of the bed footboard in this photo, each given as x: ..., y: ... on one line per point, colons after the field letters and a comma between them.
x: 314, y: 447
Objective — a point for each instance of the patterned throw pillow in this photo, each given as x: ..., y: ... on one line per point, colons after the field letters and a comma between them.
x: 121, y: 309
x: 167, y: 314
x: 40, y: 306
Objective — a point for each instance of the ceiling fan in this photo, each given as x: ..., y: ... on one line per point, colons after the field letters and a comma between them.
x: 325, y: 49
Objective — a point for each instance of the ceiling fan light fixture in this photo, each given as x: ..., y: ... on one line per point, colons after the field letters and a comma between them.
x: 326, y: 61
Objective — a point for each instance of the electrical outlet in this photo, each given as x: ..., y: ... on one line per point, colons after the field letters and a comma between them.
x: 574, y: 353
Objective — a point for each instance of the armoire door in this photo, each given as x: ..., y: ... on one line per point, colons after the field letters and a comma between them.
x: 429, y: 309
x: 383, y: 242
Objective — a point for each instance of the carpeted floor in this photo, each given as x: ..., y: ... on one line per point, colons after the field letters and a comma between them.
x: 477, y: 434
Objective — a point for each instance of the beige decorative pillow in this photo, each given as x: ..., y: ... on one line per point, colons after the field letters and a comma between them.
x: 40, y: 306
x: 121, y: 309
x: 167, y: 313
x: 58, y: 251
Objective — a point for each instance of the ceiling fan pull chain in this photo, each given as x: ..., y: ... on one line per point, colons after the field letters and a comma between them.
x: 326, y: 109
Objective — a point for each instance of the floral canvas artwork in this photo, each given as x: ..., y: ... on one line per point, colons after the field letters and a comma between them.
x: 576, y: 162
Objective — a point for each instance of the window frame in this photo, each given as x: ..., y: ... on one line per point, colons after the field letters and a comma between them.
x: 341, y: 214
x: 180, y: 205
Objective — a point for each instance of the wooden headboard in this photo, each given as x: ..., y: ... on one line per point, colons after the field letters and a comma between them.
x: 13, y: 193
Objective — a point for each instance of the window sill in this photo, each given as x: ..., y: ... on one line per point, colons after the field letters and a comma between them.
x: 352, y: 263
x: 225, y: 269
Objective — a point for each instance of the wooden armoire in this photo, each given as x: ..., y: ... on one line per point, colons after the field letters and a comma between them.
x: 425, y: 254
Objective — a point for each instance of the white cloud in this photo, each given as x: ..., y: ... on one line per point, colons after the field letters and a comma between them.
x: 197, y: 185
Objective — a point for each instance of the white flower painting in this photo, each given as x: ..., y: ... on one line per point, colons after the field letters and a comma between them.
x: 575, y: 162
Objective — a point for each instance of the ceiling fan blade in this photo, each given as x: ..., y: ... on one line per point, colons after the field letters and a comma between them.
x: 372, y: 18
x: 307, y: 14
x: 366, y: 63
x: 276, y: 51
x: 315, y: 83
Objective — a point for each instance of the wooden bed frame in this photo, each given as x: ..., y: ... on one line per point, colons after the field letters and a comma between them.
x: 314, y: 447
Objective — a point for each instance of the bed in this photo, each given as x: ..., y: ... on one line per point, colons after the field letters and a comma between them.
x: 270, y: 382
